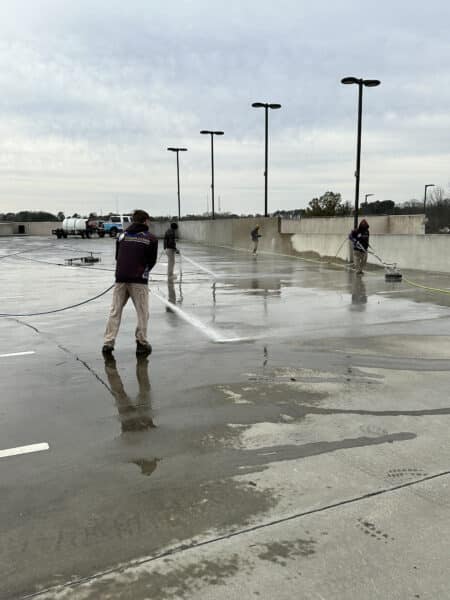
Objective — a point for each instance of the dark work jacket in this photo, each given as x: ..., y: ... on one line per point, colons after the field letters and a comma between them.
x: 255, y: 234
x: 136, y: 254
x: 360, y: 237
x: 170, y: 239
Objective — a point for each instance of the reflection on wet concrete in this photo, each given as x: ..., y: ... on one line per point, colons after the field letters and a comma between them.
x: 147, y: 466
x: 172, y: 295
x: 267, y: 285
x: 133, y: 416
x: 205, y: 456
x: 256, y: 282
x: 266, y: 358
x: 359, y: 292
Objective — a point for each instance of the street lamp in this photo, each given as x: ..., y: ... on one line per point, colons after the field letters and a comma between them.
x: 266, y: 107
x: 178, y: 150
x: 360, y: 83
x: 366, y: 196
x: 212, y: 134
x: 425, y: 195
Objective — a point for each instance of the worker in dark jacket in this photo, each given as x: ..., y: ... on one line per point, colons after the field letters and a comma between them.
x: 255, y: 235
x: 136, y: 255
x: 360, y: 240
x: 170, y: 246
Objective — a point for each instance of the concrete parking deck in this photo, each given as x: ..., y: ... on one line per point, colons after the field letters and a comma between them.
x: 288, y: 437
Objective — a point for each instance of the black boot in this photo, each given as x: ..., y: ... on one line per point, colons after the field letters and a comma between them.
x: 143, y: 349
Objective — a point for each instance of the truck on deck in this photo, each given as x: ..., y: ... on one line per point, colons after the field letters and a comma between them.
x: 82, y: 227
x: 116, y: 224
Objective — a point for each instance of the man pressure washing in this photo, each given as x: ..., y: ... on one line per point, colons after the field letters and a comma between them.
x: 136, y: 255
x: 360, y: 240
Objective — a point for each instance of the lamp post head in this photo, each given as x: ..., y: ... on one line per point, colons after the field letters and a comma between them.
x: 211, y: 132
x: 371, y: 82
x: 430, y: 184
x: 366, y: 82
x: 265, y: 105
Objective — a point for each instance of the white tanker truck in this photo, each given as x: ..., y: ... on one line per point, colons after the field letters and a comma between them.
x: 83, y: 227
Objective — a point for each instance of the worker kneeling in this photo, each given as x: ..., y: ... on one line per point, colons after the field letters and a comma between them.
x: 136, y: 255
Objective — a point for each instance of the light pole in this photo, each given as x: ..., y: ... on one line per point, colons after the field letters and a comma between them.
x: 425, y: 195
x: 266, y: 106
x: 178, y: 150
x: 212, y: 134
x: 366, y: 196
x: 360, y: 83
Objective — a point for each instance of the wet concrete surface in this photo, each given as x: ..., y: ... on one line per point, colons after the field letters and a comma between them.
x: 325, y: 389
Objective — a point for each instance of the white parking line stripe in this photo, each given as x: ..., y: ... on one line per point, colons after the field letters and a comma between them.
x: 24, y: 449
x: 17, y: 354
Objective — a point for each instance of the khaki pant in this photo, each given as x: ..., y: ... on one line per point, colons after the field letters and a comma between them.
x: 255, y: 246
x: 138, y: 292
x: 170, y: 261
x: 360, y: 259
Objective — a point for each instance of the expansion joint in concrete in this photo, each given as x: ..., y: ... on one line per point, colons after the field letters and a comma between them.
x: 195, y: 545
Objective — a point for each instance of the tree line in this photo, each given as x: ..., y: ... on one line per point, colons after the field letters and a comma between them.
x: 330, y: 204
x: 28, y: 215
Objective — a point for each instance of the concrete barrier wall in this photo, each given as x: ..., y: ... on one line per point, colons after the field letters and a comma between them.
x: 159, y: 228
x: 6, y: 229
x: 332, y: 245
x: 423, y: 252
x: 36, y: 227
x: 236, y: 233
x: 413, y: 251
x: 395, y: 224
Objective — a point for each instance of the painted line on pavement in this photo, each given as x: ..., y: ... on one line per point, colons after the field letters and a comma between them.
x: 402, y: 291
x: 24, y: 449
x: 209, y: 332
x: 17, y: 354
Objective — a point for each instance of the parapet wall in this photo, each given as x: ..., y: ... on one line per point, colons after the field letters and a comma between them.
x: 413, y: 251
x: 395, y: 224
x: 236, y: 233
x: 6, y: 229
x: 28, y: 228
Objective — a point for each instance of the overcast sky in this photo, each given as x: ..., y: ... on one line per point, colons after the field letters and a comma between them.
x: 92, y: 92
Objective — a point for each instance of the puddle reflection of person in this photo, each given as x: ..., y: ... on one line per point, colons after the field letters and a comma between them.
x: 172, y: 296
x: 359, y: 293
x: 134, y: 416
